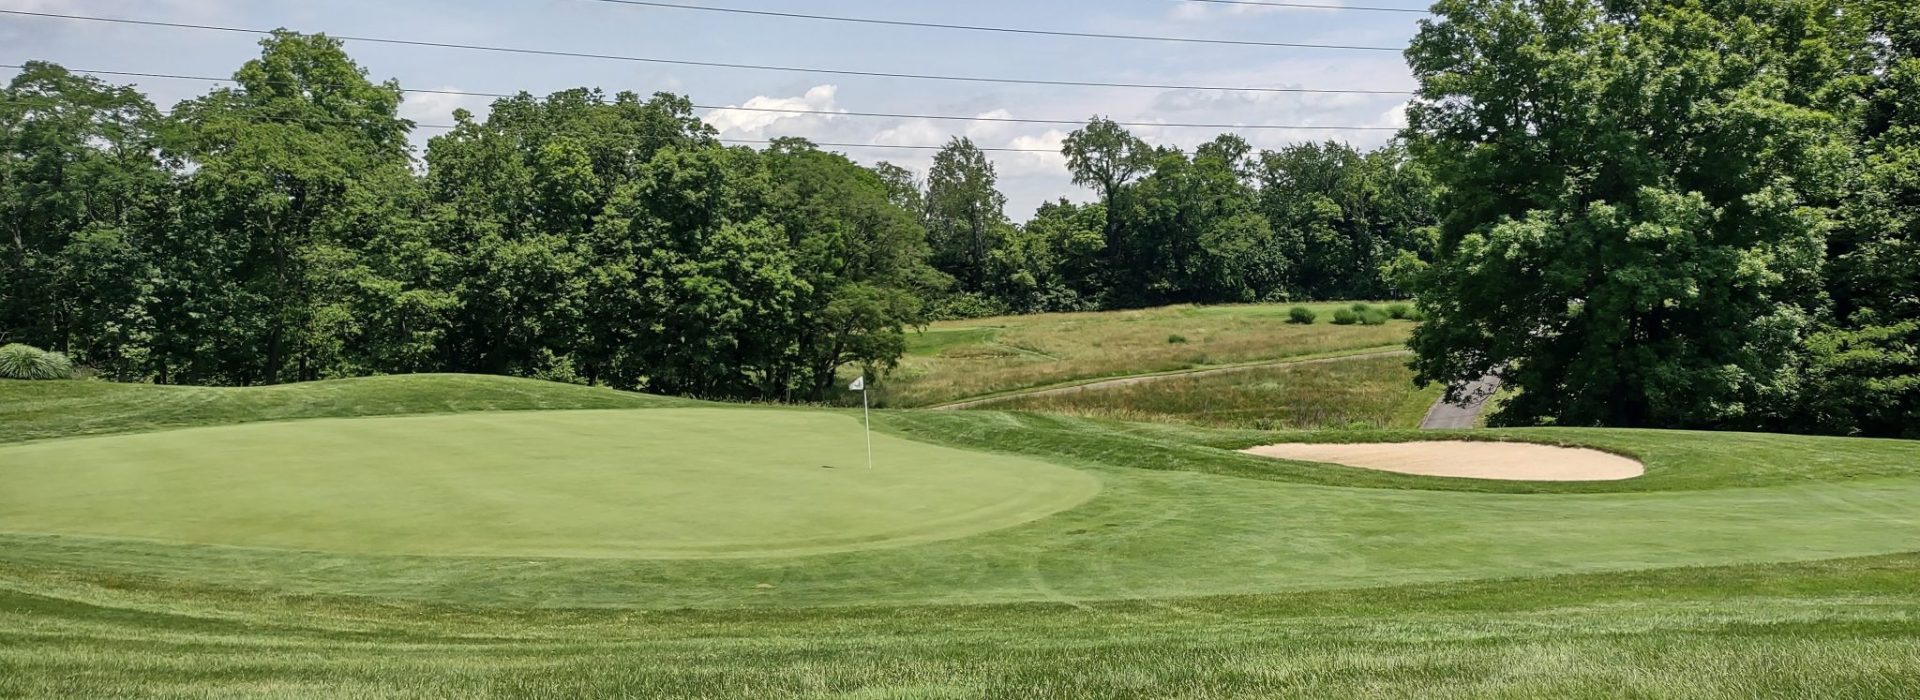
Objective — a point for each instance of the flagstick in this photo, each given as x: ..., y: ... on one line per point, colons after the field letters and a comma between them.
x: 869, y: 418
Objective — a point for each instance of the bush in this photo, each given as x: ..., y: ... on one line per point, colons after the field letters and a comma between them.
x: 1361, y: 308
x: 1346, y: 317
x: 1373, y: 317
x: 964, y: 306
x: 1400, y: 311
x: 1176, y: 339
x: 27, y: 362
x: 1416, y: 315
x: 1301, y: 315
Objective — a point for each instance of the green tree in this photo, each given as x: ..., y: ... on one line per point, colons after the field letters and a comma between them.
x: 1105, y: 156
x: 1864, y: 369
x: 1633, y: 195
x: 301, y: 178
x: 966, y: 218
x: 81, y: 184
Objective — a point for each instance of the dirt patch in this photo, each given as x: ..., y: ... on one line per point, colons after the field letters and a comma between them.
x: 1508, y: 461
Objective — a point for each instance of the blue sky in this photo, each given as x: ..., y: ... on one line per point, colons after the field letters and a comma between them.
x: 597, y: 27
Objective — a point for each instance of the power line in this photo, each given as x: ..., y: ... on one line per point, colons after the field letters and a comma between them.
x: 820, y: 112
x: 1000, y: 30
x: 1309, y: 6
x: 711, y: 64
x: 262, y: 118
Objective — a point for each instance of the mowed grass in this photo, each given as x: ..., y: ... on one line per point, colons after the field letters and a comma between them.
x: 1740, y: 566
x: 1833, y: 629
x: 1365, y: 393
x: 663, y: 483
x: 32, y: 410
x: 957, y: 360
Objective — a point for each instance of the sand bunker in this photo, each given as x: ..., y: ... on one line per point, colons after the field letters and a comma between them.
x: 1512, y: 461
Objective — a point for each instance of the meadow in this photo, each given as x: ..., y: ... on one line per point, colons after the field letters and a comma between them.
x: 1361, y: 393
x: 1140, y: 560
x: 954, y: 360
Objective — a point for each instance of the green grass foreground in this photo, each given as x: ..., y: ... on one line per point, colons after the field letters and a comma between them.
x: 1739, y: 566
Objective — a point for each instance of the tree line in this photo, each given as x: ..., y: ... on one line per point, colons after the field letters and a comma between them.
x: 284, y: 229
x: 1683, y: 214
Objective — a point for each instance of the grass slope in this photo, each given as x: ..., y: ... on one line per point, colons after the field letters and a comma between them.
x: 1357, y: 393
x: 34, y: 410
x: 979, y: 357
x: 1195, y: 572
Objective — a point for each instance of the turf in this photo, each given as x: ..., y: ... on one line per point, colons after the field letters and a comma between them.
x: 666, y: 483
x: 1740, y: 566
x: 957, y: 360
x: 31, y: 410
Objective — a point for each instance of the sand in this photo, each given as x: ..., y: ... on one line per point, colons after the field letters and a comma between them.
x: 1510, y: 461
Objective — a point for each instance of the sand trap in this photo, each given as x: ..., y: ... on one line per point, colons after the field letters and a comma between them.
x: 1511, y: 461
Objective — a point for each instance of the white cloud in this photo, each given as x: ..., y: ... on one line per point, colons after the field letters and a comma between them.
x: 1201, y: 11
x: 752, y: 122
x: 438, y: 107
x: 1025, y: 163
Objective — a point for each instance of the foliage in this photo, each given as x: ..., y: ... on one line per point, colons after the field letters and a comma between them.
x: 1301, y: 315
x: 19, y: 361
x: 1636, y: 201
x: 1400, y: 311
x: 1373, y: 317
x: 1346, y: 317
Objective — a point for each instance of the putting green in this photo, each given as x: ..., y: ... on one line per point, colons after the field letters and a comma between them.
x: 656, y: 483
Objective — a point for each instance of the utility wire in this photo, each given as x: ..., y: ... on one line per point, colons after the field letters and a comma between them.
x: 301, y: 121
x: 1001, y: 30
x: 820, y: 112
x: 1309, y: 6
x: 709, y: 64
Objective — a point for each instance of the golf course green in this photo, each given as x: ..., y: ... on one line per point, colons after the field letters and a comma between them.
x: 386, y: 538
x: 665, y: 483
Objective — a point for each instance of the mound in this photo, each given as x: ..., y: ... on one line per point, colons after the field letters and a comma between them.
x: 1510, y: 461
x: 658, y: 483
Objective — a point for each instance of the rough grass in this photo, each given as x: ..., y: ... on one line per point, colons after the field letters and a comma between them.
x: 956, y: 360
x: 1358, y: 393
x: 1196, y: 572
x: 27, y: 362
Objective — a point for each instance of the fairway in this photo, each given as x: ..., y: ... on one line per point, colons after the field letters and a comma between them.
x: 662, y: 483
x: 492, y: 548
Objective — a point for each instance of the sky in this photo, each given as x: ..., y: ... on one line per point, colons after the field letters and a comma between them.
x: 596, y: 26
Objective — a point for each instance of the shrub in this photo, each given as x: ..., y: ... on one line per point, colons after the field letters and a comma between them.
x: 1346, y: 317
x: 1301, y: 315
x: 1373, y: 317
x: 1176, y: 339
x: 27, y: 362
x: 1400, y: 311
x: 1416, y: 315
x: 1361, y: 307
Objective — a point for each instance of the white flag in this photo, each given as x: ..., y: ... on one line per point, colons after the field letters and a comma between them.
x: 858, y: 384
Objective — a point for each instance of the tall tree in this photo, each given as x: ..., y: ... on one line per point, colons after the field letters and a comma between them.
x: 81, y: 185
x: 1634, y: 231
x: 1105, y: 156
x: 1864, y: 368
x: 966, y: 215
x: 301, y: 175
